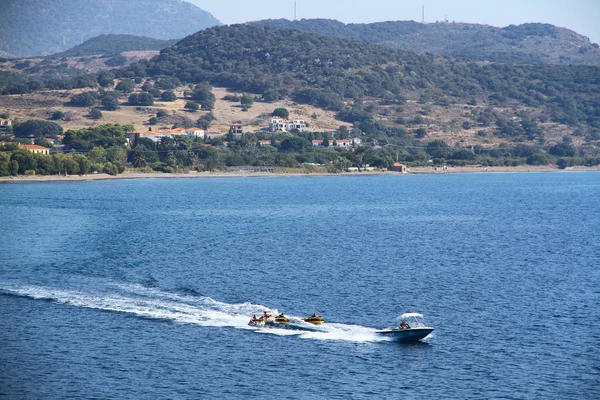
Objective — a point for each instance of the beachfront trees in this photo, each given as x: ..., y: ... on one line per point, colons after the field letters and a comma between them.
x: 295, y: 144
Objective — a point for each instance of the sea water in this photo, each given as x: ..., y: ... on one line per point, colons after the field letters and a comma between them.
x: 144, y: 288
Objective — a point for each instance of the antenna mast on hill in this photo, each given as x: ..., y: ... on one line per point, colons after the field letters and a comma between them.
x: 295, y: 8
x: 423, y: 15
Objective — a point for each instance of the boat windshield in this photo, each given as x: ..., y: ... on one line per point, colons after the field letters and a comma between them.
x: 413, y: 320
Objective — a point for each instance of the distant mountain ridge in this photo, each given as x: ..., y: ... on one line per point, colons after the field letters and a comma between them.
x: 532, y: 43
x: 113, y: 44
x: 41, y: 27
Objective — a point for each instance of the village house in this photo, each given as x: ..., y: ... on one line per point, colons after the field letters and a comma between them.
x: 236, y: 129
x: 5, y: 123
x: 280, y: 125
x: 157, y: 135
x: 34, y: 148
x: 267, y: 142
x: 343, y: 143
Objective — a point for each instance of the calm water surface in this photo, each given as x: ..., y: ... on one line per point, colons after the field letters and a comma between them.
x: 143, y: 288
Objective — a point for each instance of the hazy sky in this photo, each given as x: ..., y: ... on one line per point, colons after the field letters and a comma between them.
x: 582, y: 16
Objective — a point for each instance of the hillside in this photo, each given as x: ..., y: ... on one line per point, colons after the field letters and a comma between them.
x: 40, y: 27
x: 41, y: 106
x: 527, y: 43
x: 115, y: 44
x: 328, y: 72
x: 398, y: 102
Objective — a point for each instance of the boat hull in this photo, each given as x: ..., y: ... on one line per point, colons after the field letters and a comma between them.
x: 406, y: 335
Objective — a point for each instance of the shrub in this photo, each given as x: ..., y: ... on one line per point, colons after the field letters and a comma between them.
x: 126, y: 86
x: 281, y: 112
x: 168, y: 96
x: 57, y: 115
x: 247, y: 101
x: 141, y: 99
x: 191, y: 106
x: 95, y: 113
x: 110, y: 103
x: 86, y: 99
x: 116, y: 61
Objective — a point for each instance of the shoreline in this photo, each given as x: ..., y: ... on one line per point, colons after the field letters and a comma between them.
x: 241, y: 174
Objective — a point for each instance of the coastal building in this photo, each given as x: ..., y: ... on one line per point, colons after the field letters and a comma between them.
x: 318, y: 143
x: 281, y: 125
x: 398, y: 167
x: 157, y: 135
x: 34, y: 148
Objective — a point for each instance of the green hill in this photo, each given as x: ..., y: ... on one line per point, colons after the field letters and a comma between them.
x: 279, y: 62
x: 387, y: 94
x: 40, y: 27
x: 335, y: 73
x: 114, y: 44
x: 528, y: 43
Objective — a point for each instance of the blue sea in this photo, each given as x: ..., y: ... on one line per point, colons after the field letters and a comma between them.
x: 143, y: 288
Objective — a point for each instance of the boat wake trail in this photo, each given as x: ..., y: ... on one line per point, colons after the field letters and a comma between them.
x: 187, y: 308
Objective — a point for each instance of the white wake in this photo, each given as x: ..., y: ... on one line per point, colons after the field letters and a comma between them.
x: 191, y: 309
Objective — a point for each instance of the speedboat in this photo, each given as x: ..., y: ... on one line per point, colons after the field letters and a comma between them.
x: 315, y: 319
x: 411, y: 328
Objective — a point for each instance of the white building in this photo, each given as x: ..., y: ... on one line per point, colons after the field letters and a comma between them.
x: 280, y: 125
x: 158, y: 134
x: 5, y: 123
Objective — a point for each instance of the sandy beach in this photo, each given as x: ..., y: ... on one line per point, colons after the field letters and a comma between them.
x: 239, y: 174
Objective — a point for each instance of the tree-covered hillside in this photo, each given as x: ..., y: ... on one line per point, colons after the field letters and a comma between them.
x: 41, y: 27
x: 527, y: 43
x: 114, y: 44
x: 278, y: 63
x: 329, y: 72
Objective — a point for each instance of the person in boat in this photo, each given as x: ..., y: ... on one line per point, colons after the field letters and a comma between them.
x: 266, y: 316
x: 315, y: 316
x: 282, y: 316
x: 404, y: 325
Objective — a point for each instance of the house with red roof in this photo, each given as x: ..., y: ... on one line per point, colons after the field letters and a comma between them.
x: 34, y: 148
